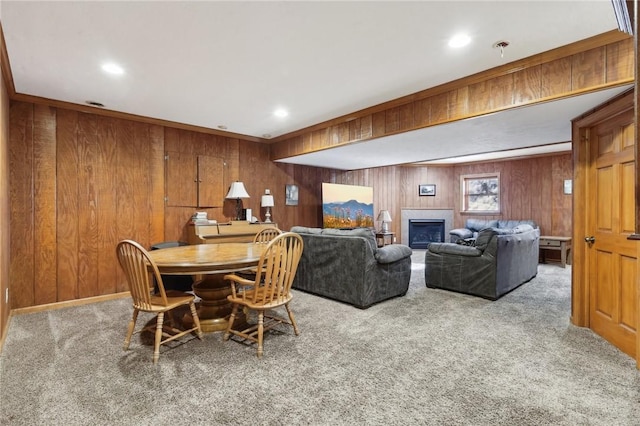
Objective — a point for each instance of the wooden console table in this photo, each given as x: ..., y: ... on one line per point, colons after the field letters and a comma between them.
x: 238, y: 231
x: 562, y: 244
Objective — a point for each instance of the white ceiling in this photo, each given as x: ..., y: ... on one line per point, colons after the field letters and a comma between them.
x: 214, y: 63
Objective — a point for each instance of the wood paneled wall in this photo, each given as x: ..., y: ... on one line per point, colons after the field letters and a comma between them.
x: 4, y: 209
x: 587, y: 65
x: 529, y: 189
x: 80, y: 182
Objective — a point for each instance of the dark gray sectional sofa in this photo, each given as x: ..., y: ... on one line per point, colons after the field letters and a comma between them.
x: 496, y: 262
x: 347, y: 265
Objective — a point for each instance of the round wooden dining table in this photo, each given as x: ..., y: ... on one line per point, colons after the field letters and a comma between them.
x: 209, y: 262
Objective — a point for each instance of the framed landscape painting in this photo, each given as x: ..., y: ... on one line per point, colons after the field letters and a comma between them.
x: 347, y: 206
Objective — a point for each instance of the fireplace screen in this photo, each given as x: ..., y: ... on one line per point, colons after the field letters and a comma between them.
x: 425, y: 231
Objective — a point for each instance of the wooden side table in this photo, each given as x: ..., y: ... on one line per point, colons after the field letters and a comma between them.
x: 563, y: 244
x: 385, y: 238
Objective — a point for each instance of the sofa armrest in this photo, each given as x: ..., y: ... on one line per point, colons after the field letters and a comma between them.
x: 392, y: 253
x: 455, y: 249
x: 460, y: 234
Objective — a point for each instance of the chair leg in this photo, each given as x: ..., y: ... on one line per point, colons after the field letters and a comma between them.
x: 156, y: 348
x: 130, y: 328
x: 292, y: 319
x: 232, y: 317
x: 196, y: 320
x: 260, y: 332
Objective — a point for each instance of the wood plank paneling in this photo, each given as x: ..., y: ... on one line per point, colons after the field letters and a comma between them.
x: 556, y: 77
x: 620, y: 61
x: 5, y: 196
x: 22, y: 268
x: 87, y: 206
x: 588, y: 69
x: 157, y: 184
x: 44, y: 190
x: 527, y: 85
x: 107, y: 212
x: 67, y: 205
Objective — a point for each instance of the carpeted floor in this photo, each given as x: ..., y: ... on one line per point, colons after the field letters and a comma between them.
x: 431, y: 357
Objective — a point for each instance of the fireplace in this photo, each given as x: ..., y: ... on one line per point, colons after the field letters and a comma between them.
x: 425, y: 231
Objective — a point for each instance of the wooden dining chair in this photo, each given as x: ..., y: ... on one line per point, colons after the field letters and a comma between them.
x: 266, y: 235
x: 270, y: 289
x: 139, y: 269
x: 263, y: 237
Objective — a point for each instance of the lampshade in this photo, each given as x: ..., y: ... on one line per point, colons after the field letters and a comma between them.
x: 237, y: 191
x: 267, y: 199
x: 384, y: 216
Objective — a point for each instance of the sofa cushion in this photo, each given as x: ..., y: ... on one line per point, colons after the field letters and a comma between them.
x: 456, y: 249
x: 479, y: 224
x: 305, y: 230
x: 392, y: 253
x: 356, y: 232
x: 515, y: 223
x: 484, y: 236
x: 503, y: 231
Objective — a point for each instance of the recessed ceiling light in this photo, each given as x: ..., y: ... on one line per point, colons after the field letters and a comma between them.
x: 459, y: 40
x: 266, y: 136
x: 280, y: 112
x: 222, y: 127
x: 112, y: 68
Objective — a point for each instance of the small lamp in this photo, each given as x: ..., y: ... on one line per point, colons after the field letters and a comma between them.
x: 267, y: 201
x: 237, y: 192
x: 385, y: 218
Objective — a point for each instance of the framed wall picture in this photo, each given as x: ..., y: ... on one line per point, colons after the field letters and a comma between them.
x: 428, y: 190
x: 291, y: 195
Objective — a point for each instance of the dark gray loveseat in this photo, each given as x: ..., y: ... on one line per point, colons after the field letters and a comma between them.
x: 347, y: 265
x: 500, y: 260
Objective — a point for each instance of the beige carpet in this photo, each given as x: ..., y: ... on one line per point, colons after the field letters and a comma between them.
x: 431, y: 357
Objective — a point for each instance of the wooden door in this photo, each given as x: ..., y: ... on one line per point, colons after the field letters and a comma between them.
x: 610, y: 210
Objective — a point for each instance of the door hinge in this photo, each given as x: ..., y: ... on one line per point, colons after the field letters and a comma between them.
x: 166, y: 157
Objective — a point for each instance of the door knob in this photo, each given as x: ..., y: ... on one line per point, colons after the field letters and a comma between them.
x: 590, y: 240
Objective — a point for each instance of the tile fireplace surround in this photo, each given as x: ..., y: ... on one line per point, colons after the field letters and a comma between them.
x: 406, y: 214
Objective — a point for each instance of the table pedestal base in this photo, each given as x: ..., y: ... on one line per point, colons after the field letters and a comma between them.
x: 214, y: 308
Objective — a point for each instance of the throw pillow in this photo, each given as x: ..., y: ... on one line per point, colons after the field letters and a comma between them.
x: 484, y: 237
x: 471, y: 242
x: 522, y: 228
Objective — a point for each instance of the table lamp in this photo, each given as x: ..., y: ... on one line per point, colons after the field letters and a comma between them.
x: 385, y: 218
x: 237, y: 192
x: 267, y: 201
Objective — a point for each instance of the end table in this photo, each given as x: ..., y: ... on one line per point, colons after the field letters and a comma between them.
x: 385, y: 238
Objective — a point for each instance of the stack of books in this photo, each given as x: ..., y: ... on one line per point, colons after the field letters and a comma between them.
x: 200, y: 218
